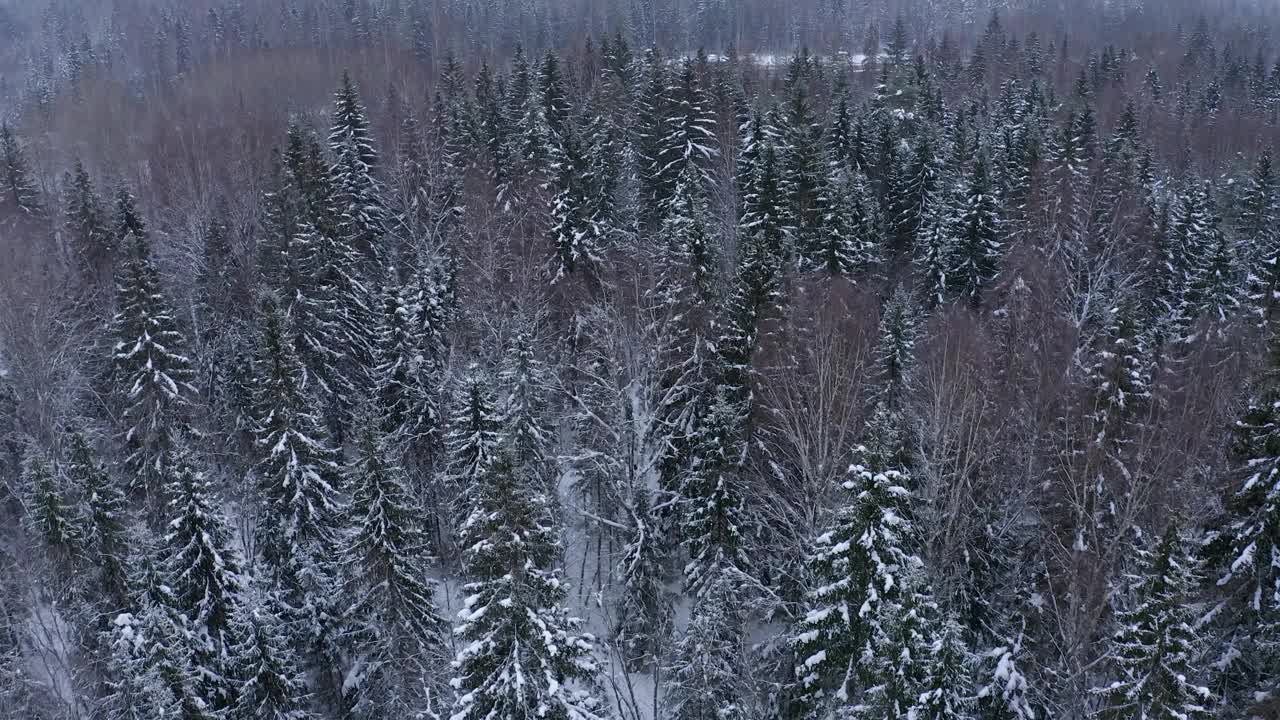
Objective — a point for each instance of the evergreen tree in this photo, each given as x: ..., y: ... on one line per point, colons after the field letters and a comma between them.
x: 90, y: 238
x: 134, y: 689
x: 296, y: 470
x: 894, y: 350
x: 576, y: 234
x: 473, y: 436
x: 946, y: 692
x: 526, y: 419
x: 848, y: 241
x: 1005, y: 693
x: 686, y: 251
x: 898, y: 658
x: 859, y: 567
x: 151, y: 373
x: 522, y: 655
x: 271, y: 685
x: 391, y: 614
x: 708, y: 672
x: 201, y: 571
x: 1154, y: 647
x: 107, y: 534
x: 714, y: 525
x: 358, y: 192
x: 16, y: 185
x: 51, y: 512
x: 1258, y: 235
x: 975, y: 252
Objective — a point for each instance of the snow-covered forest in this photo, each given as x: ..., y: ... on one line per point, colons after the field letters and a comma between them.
x: 639, y: 359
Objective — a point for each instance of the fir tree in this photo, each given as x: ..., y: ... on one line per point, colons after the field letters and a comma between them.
x: 1154, y: 649
x: 522, y: 655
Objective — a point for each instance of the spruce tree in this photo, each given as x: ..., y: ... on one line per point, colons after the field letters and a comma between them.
x: 473, y: 434
x: 946, y: 692
x: 51, y: 517
x: 1003, y: 690
x: 86, y: 226
x: 975, y: 252
x: 859, y: 567
x: 848, y: 240
x: 151, y: 373
x: 714, y: 524
x: 390, y: 614
x: 1154, y: 649
x: 134, y: 688
x: 358, y: 193
x: 522, y: 654
x: 107, y: 527
x: 707, y: 674
x: 17, y: 187
x: 200, y: 569
x: 296, y: 469
x: 272, y: 687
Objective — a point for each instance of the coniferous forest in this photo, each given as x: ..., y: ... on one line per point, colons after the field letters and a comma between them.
x: 639, y: 359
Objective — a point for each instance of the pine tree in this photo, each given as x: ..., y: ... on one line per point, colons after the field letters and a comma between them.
x: 151, y: 373
x: 16, y: 185
x: 976, y: 241
x: 90, y: 238
x: 390, y: 613
x: 708, y: 671
x: 522, y: 655
x: 1154, y: 649
x: 859, y: 567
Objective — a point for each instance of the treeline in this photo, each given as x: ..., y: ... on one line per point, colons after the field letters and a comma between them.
x: 937, y: 380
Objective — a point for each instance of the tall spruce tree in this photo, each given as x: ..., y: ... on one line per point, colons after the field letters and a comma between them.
x: 522, y: 654
x: 390, y: 616
x: 17, y: 188
x: 152, y: 374
x: 859, y: 568
x: 1154, y: 648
